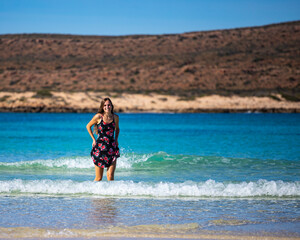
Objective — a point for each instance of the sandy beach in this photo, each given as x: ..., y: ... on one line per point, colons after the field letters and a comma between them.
x: 126, y: 102
x: 137, y: 232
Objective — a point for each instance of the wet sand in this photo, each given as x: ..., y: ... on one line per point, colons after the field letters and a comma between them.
x: 136, y: 232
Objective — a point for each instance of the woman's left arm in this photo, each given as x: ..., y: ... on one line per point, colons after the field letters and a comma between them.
x: 117, y: 129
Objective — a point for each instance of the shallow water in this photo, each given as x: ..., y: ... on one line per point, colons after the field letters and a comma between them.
x: 178, y: 173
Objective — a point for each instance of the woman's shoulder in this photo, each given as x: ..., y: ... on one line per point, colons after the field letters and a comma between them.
x: 116, y: 118
x: 98, y: 115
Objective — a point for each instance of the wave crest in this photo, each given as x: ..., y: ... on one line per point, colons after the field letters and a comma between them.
x: 209, y: 188
x: 77, y: 162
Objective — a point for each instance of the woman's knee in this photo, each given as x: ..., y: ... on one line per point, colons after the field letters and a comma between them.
x: 110, y: 176
x: 97, y: 179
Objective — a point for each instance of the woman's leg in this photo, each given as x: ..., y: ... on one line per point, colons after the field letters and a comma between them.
x: 111, y: 171
x: 99, y: 173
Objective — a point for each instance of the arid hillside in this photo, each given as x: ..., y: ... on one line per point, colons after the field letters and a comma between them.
x: 251, y: 60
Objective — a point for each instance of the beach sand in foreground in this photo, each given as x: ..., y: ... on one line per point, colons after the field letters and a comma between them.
x: 136, y: 232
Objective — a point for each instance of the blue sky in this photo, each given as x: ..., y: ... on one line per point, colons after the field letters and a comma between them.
x: 126, y: 17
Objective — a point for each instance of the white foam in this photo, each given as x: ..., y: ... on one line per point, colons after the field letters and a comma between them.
x: 209, y: 188
x: 125, y: 161
x: 73, y: 162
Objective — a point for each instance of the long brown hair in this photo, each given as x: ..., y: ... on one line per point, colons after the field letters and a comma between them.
x: 101, y: 111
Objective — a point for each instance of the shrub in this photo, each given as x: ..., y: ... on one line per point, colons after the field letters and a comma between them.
x: 43, y: 93
x: 22, y: 99
x: 257, y: 59
x: 274, y: 97
x: 4, y: 98
x: 291, y: 98
x: 191, y: 98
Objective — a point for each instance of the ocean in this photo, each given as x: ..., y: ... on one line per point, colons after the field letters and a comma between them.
x: 179, y: 175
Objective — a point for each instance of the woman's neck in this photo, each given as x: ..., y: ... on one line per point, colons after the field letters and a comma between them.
x: 107, y: 114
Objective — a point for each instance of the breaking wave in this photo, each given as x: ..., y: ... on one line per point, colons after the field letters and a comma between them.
x: 190, y: 189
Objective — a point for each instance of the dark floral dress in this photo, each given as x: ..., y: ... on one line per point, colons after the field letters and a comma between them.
x: 105, y: 152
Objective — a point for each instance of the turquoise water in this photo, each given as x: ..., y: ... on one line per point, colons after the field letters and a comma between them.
x: 220, y: 172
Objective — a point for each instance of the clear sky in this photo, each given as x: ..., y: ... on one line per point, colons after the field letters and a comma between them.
x: 126, y: 17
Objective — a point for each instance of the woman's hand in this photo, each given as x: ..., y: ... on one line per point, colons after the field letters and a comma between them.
x: 117, y: 144
x: 94, y: 143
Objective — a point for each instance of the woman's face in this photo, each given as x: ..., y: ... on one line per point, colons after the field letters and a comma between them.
x: 107, y: 106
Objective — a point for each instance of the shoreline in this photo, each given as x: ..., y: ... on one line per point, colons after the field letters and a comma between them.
x: 134, y: 232
x: 88, y: 102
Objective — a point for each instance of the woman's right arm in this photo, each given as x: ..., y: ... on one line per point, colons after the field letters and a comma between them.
x: 94, y: 121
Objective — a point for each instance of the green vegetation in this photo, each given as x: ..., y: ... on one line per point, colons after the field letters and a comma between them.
x: 291, y: 98
x: 116, y: 95
x: 22, y: 99
x: 190, y: 98
x: 257, y: 59
x: 43, y: 93
x: 274, y: 97
x: 4, y: 98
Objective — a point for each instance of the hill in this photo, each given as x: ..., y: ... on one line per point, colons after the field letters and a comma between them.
x: 254, y: 60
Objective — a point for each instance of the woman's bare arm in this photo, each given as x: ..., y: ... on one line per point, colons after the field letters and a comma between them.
x: 117, y: 128
x: 94, y: 121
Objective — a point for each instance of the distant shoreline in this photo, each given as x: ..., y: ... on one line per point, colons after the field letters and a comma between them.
x: 88, y: 102
x: 68, y: 110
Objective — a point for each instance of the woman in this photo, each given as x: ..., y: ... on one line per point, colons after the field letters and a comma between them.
x: 105, y: 149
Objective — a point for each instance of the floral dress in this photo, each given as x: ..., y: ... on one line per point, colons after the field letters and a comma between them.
x: 105, y: 152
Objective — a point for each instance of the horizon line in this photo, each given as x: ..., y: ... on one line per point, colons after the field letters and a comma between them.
x: 161, y: 34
